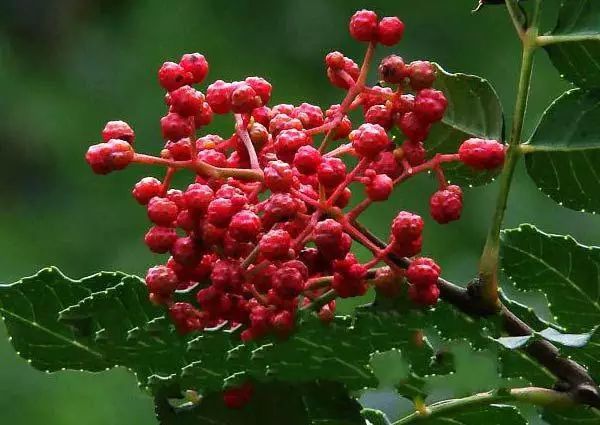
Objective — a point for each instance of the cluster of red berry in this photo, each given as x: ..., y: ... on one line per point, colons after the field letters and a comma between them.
x: 264, y: 229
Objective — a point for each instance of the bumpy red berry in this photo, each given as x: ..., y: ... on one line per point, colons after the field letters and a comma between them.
x: 175, y: 126
x: 162, y: 211
x: 379, y: 187
x: 161, y: 281
x: 422, y: 74
x: 363, y: 25
x: 430, y: 105
x: 171, y: 76
x: 146, y: 189
x: 185, y: 101
x: 118, y: 130
x: 279, y: 176
x: 331, y: 172
x: 407, y: 226
x: 390, y: 31
x: 244, y: 226
x: 160, y: 239
x: 423, y: 272
x: 392, y: 69
x: 275, y: 245
x: 482, y: 154
x: 218, y: 96
x: 196, y: 64
x: 110, y: 156
x: 446, y: 205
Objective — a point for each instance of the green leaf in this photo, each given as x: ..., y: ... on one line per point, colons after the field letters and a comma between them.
x: 321, y: 403
x: 92, y: 324
x: 572, y: 416
x: 513, y: 342
x: 566, y: 271
x: 563, y: 155
x: 477, y: 415
x: 568, y: 274
x: 340, y: 351
x: 567, y: 340
x: 576, y: 55
x: 30, y: 309
x: 129, y: 330
x: 474, y: 110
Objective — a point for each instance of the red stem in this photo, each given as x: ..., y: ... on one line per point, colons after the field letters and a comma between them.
x: 242, y: 133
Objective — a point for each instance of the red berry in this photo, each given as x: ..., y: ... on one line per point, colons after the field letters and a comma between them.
x: 197, y: 197
x: 446, y: 205
x: 379, y: 187
x: 281, y: 122
x: 363, y: 25
x: 146, y: 189
x: 430, y: 105
x: 307, y: 160
x: 413, y: 126
x: 186, y: 318
x: 331, y: 172
x: 110, y: 156
x: 426, y: 296
x: 244, y: 226
x: 118, y: 130
x: 180, y: 150
x: 283, y: 323
x: 369, y: 140
x: 423, y: 272
x: 185, y: 101
x: 161, y: 281
x: 186, y: 251
x: 349, y: 277
x: 160, y: 239
x: 161, y: 211
x: 288, y: 282
x: 261, y: 87
x: 218, y: 96
x: 311, y: 116
x: 407, y: 226
x: 244, y: 99
x: 175, y: 126
x: 386, y: 164
x: 275, y: 245
x: 413, y: 152
x: 171, y: 76
x: 196, y: 64
x: 392, y: 69
x: 422, y: 74
x: 204, y: 116
x: 482, y: 154
x: 220, y: 211
x: 376, y: 96
x: 236, y: 398
x: 380, y: 115
x: 259, y: 135
x: 390, y: 30
x: 227, y: 276
x: 288, y: 142
x: 279, y: 176
x: 262, y: 115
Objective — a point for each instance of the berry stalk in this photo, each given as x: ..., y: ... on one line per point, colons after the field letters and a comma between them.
x: 488, y: 267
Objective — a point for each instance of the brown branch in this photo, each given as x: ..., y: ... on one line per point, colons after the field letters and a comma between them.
x: 579, y: 384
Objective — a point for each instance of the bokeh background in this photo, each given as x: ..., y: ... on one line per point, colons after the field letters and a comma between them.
x: 68, y: 66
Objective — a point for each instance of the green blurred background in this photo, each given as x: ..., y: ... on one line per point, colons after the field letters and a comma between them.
x: 68, y: 66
